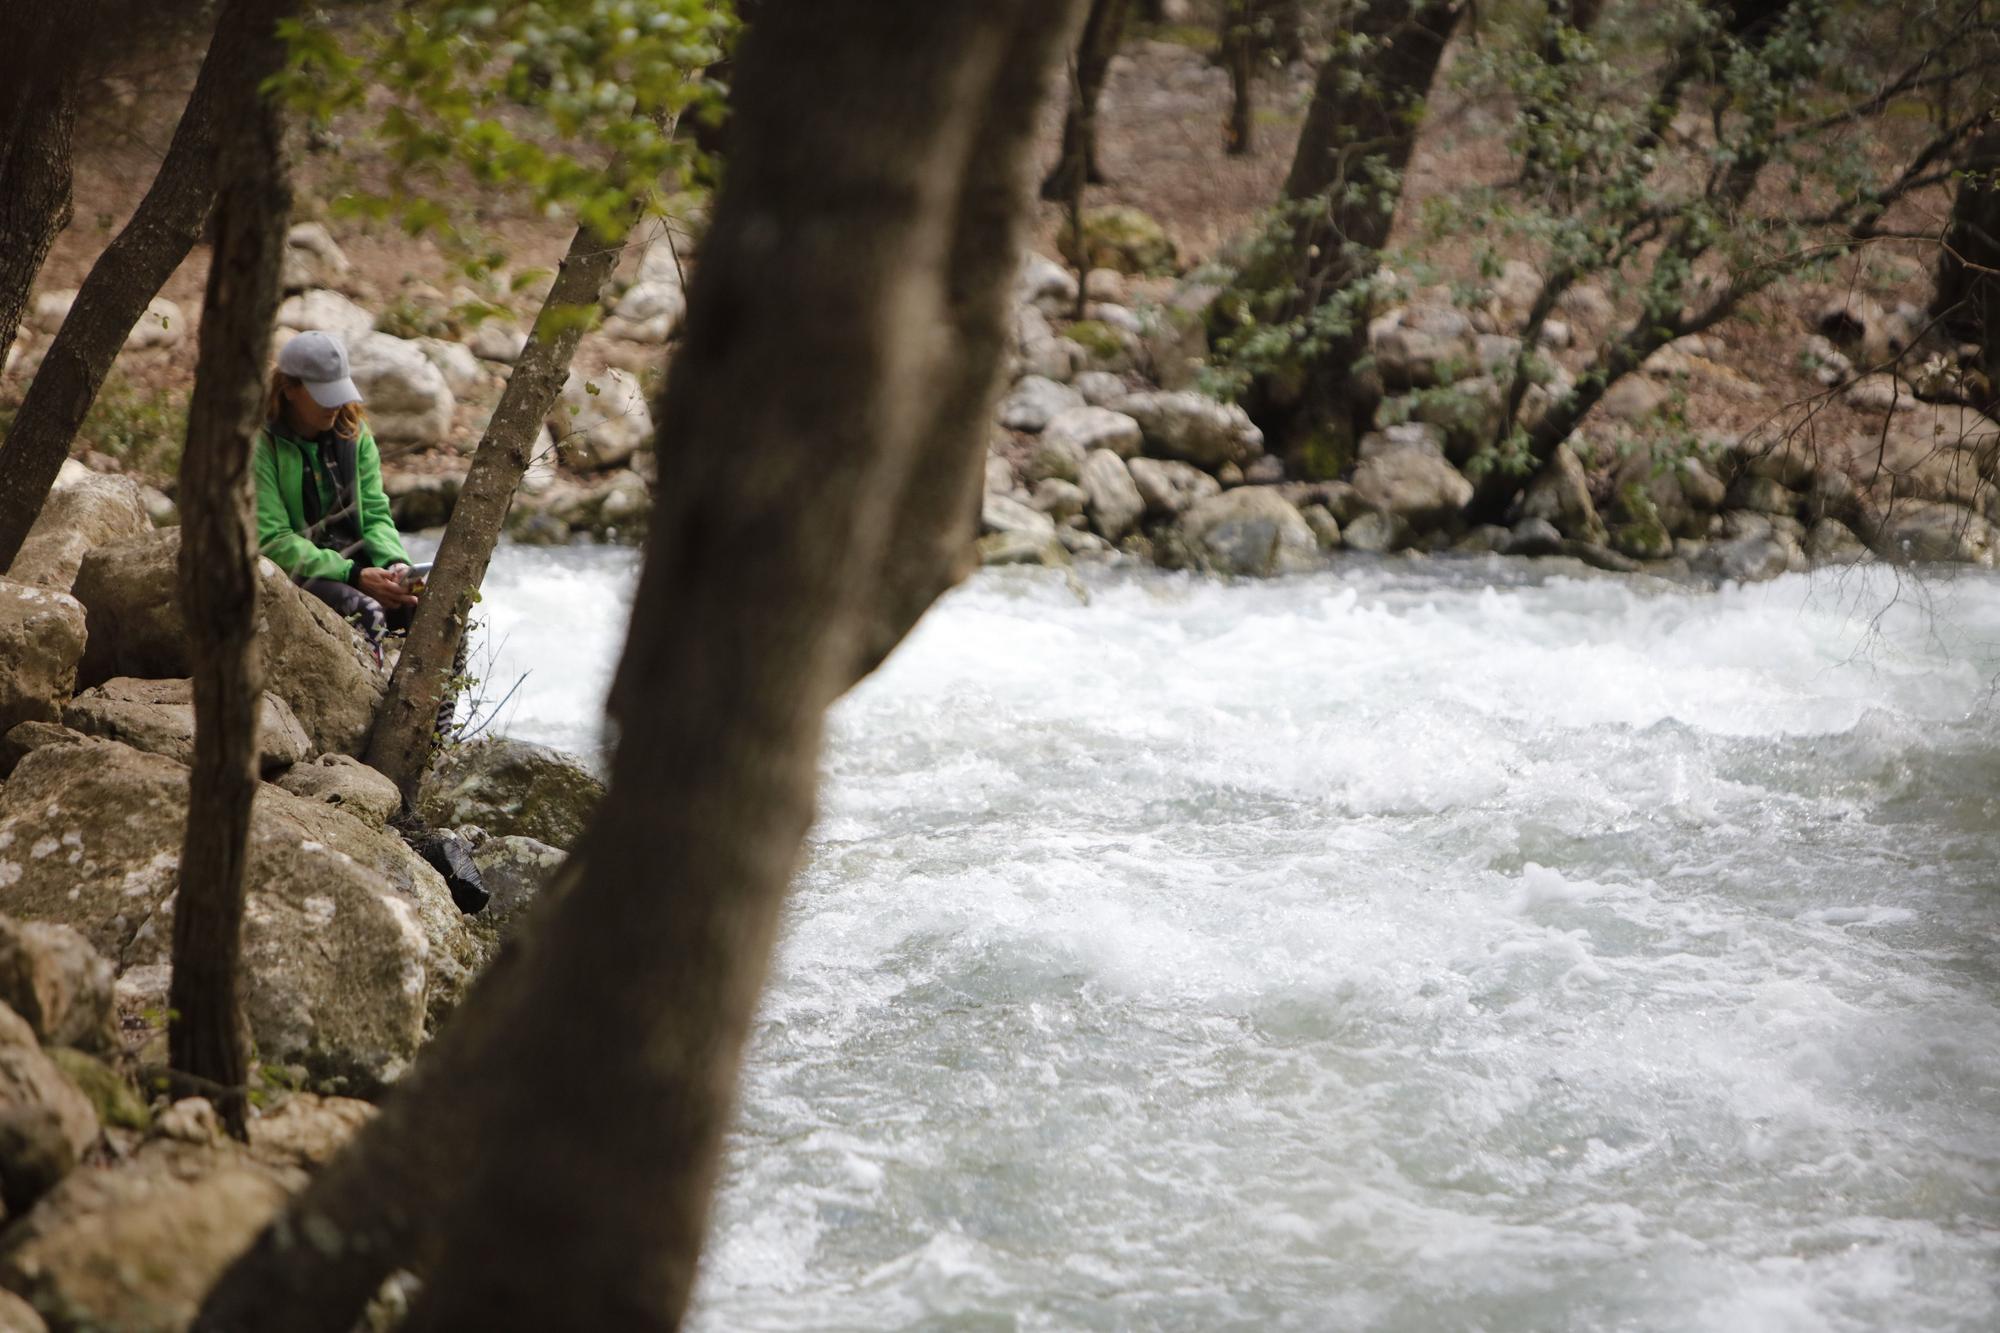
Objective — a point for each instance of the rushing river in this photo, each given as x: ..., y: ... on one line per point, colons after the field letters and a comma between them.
x: 1377, y: 950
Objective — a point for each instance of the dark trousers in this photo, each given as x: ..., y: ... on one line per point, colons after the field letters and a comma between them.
x: 360, y: 610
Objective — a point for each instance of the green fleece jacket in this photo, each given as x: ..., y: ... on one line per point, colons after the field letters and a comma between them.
x: 284, y: 466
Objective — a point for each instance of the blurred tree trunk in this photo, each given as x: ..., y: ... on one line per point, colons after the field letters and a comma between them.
x: 41, y: 50
x: 555, y: 1148
x: 1968, y: 281
x: 218, y: 560
x: 1077, y: 162
x: 1239, y: 51
x: 127, y: 276
x: 405, y: 732
x: 1345, y: 181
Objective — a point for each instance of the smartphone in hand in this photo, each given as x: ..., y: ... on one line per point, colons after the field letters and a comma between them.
x: 414, y: 577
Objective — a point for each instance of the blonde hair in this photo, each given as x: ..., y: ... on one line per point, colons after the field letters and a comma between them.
x: 347, y: 421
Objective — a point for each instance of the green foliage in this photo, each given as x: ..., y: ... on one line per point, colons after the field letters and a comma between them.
x: 141, y: 426
x: 575, y: 104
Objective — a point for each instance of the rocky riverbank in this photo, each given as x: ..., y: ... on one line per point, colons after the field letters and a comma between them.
x: 353, y: 949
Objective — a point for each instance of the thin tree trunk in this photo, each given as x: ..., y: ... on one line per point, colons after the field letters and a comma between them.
x: 1102, y: 30
x: 129, y: 273
x: 563, y: 1132
x: 1345, y: 181
x: 218, y: 564
x: 405, y: 732
x: 39, y: 73
x: 1239, y: 47
x: 1968, y: 281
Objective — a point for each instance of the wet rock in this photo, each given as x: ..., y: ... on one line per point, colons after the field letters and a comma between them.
x: 84, y: 510
x: 56, y: 982
x: 1533, y: 536
x: 601, y: 420
x: 510, y: 787
x: 312, y: 660
x: 158, y: 716
x: 351, y: 944
x: 1252, y: 531
x: 1111, y: 499
x: 1193, y: 428
x: 1023, y: 548
x: 328, y: 312
x: 42, y: 639
x: 408, y: 398
x: 1034, y: 402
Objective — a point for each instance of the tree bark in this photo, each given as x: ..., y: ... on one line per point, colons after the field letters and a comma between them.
x: 1968, y: 280
x: 1239, y: 49
x: 129, y: 273
x: 218, y: 562
x: 561, y: 1136
x: 1345, y: 181
x: 1076, y: 165
x: 39, y: 74
x: 405, y: 732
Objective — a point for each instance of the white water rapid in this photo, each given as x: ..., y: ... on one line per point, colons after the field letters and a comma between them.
x: 1374, y: 950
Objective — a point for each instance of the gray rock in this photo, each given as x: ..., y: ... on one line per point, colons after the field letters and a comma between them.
x: 161, y: 325
x: 1831, y: 542
x: 648, y: 312
x: 1632, y: 398
x: 1060, y: 500
x: 312, y: 659
x: 351, y: 944
x: 84, y: 510
x: 313, y: 259
x: 1000, y: 475
x: 1933, y: 530
x: 1080, y: 541
x: 601, y: 420
x: 1023, y: 548
x: 1533, y: 535
x: 497, y: 342
x: 408, y: 399
x: 1881, y: 393
x: 42, y: 639
x: 1252, y: 530
x: 344, y: 781
x: 1422, y: 345
x: 1752, y: 558
x: 1600, y: 557
x: 1168, y: 486
x: 1001, y: 513
x: 1762, y: 495
x: 510, y: 787
x: 328, y: 312
x: 1044, y: 283
x: 1111, y: 499
x: 1485, y: 539
x: 1409, y: 478
x: 419, y: 500
x: 1325, y: 527
x: 1100, y: 388
x: 1037, y: 349
x: 157, y: 716
x: 515, y: 870
x: 1088, y: 428
x: 1193, y: 428
x: 1376, y: 533
x: 53, y: 979
x: 1035, y: 402
x: 1560, y: 495
x: 455, y: 361
x: 1055, y: 457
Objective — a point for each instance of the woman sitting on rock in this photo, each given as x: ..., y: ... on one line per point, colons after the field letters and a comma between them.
x: 321, y: 513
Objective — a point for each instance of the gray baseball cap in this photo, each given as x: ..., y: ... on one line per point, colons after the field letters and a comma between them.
x: 319, y: 361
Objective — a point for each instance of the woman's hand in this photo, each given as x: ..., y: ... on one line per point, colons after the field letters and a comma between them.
x: 385, y: 587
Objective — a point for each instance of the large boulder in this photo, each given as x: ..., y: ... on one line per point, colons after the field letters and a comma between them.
x: 601, y: 420
x: 1940, y: 451
x: 136, y: 1245
x: 42, y: 637
x: 515, y: 870
x: 84, y: 510
x: 351, y: 944
x: 1405, y: 474
x: 53, y: 979
x: 1252, y: 530
x: 1933, y: 530
x: 1560, y: 495
x: 1193, y: 428
x: 408, y: 398
x: 508, y: 787
x: 31, y: 1086
x: 1168, y: 486
x: 312, y: 659
x: 158, y: 716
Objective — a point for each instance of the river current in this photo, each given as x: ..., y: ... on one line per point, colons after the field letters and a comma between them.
x: 1416, y: 946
